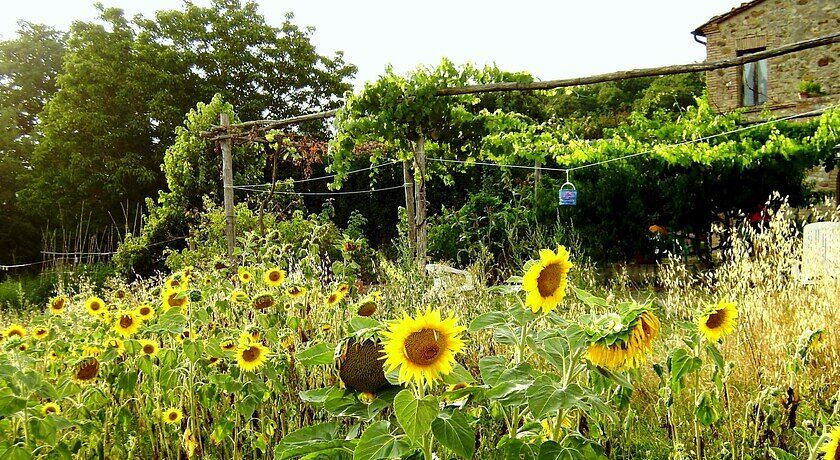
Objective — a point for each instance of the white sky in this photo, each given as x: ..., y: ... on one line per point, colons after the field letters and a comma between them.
x: 551, y: 38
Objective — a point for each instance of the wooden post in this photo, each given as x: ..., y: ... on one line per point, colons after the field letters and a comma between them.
x: 420, y: 200
x: 408, y: 180
x: 537, y: 177
x: 227, y: 180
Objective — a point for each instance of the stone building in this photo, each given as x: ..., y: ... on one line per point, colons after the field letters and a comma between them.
x: 785, y: 85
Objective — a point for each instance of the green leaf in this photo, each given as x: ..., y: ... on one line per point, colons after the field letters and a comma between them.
x: 16, y: 453
x: 680, y: 364
x: 11, y: 404
x: 415, y: 415
x: 310, y: 439
x: 589, y: 299
x: 458, y: 375
x: 377, y: 442
x: 487, y: 320
x: 322, y: 353
x: 706, y: 409
x: 546, y: 397
x: 454, y: 433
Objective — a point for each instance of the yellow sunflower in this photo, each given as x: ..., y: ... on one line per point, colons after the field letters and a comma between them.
x: 831, y: 448
x: 40, y: 333
x: 343, y: 289
x: 177, y: 283
x: 116, y: 344
x: 91, y: 351
x: 296, y: 291
x: 15, y: 330
x: 251, y: 356
x: 173, y: 298
x: 263, y: 301
x: 335, y: 298
x: 50, y: 408
x: 87, y: 370
x: 228, y: 345
x: 148, y: 348
x: 58, y: 304
x: 626, y: 347
x: 238, y: 296
x: 718, y: 321
x: 546, y: 280
x: 245, y: 276
x: 172, y: 415
x: 274, y: 277
x: 145, y: 312
x: 423, y: 348
x: 127, y: 323
x: 94, y: 305
x: 367, y: 307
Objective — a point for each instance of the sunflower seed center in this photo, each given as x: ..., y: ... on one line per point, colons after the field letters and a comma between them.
x: 549, y: 280
x: 424, y: 347
x: 126, y: 321
x: 251, y: 354
x: 716, y: 319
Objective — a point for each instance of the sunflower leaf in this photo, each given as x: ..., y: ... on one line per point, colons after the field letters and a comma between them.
x: 454, y: 433
x: 377, y: 442
x: 322, y: 353
x: 415, y: 415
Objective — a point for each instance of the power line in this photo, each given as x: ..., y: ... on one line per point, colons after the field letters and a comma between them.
x: 349, y: 192
x: 329, y: 176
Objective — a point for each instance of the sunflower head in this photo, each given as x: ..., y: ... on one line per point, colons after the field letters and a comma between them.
x: 296, y: 291
x: 831, y: 448
x: 145, y: 312
x: 228, y: 345
x: 173, y: 298
x: 238, y: 296
x: 127, y: 323
x: 94, y: 305
x: 87, y: 370
x: 367, y: 307
x: 274, y: 277
x: 40, y: 333
x: 117, y: 344
x: 50, y: 408
x: 58, y: 304
x: 15, y: 331
x: 120, y: 294
x: 245, y: 276
x: 546, y: 279
x: 343, y: 288
x: 148, y: 348
x: 172, y: 415
x: 360, y: 366
x: 251, y: 355
x: 335, y: 298
x: 91, y: 351
x: 623, y: 340
x: 423, y: 348
x: 263, y: 301
x: 718, y: 320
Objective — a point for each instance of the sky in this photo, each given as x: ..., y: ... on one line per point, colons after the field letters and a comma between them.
x: 551, y: 39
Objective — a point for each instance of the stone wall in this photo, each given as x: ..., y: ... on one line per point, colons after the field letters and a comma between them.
x: 770, y: 24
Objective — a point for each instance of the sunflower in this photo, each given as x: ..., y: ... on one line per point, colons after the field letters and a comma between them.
x: 40, y: 333
x: 718, y: 321
x: 274, y: 277
x: 423, y: 348
x: 50, y: 408
x: 186, y: 334
x: 326, y: 327
x: 343, y: 289
x: 58, y: 304
x: 245, y: 276
x: 15, y: 330
x: 87, y: 370
x: 296, y: 291
x: 624, y: 341
x: 263, y: 301
x: 831, y: 448
x: 91, y: 351
x: 148, y: 348
x: 120, y: 294
x: 177, y: 282
x: 145, y: 312
x: 335, y: 298
x: 228, y: 345
x: 546, y: 280
x: 173, y: 298
x: 127, y: 323
x: 251, y: 356
x: 94, y: 305
x: 238, y: 296
x: 172, y: 415
x: 116, y: 344
x: 367, y: 307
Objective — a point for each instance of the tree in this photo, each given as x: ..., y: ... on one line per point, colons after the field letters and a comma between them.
x: 29, y: 65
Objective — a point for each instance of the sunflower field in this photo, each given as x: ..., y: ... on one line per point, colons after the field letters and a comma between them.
x: 280, y: 358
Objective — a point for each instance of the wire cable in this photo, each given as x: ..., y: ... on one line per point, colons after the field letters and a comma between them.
x: 349, y: 192
x: 328, y: 176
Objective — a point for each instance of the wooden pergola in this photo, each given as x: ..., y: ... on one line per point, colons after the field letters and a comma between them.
x: 415, y: 190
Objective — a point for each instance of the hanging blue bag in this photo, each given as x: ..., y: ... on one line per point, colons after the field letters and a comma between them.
x: 568, y: 194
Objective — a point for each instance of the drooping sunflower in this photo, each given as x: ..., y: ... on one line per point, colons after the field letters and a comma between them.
x: 274, y: 277
x: 228, y: 345
x: 367, y: 307
x: 545, y: 281
x: 296, y: 291
x: 245, y: 276
x: 91, y: 351
x: 117, y: 344
x: 623, y: 341
x: 174, y: 298
x: 719, y: 320
x: 87, y: 370
x: 423, y: 348
x: 251, y: 356
x: 148, y: 348
x: 40, y: 333
x: 238, y: 296
x: 58, y: 304
x: 831, y: 448
x: 264, y: 301
x: 127, y: 323
x: 145, y: 312
x: 50, y: 408
x: 15, y: 331
x: 94, y: 305
x: 360, y: 366
x: 172, y: 415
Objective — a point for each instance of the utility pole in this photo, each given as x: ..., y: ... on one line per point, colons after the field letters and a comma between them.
x: 408, y: 180
x: 227, y: 180
x: 420, y: 200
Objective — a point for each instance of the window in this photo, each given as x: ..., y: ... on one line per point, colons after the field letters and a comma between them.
x: 753, y: 80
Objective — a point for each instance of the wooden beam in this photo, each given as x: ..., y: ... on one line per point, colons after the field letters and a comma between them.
x: 408, y: 180
x: 268, y: 125
x: 637, y: 73
x: 420, y: 202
